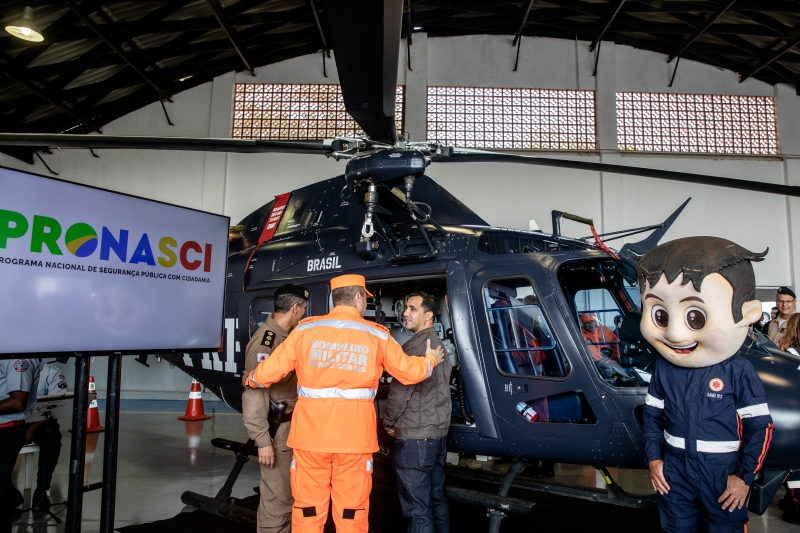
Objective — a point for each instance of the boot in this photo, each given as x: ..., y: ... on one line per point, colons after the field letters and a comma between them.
x: 792, y: 517
x: 469, y: 462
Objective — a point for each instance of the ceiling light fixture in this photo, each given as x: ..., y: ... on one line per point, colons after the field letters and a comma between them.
x: 24, y: 28
x: 417, y: 28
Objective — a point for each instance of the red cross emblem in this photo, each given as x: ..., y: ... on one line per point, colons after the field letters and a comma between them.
x: 716, y: 385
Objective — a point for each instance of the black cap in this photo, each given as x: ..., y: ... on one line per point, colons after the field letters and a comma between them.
x: 787, y: 291
x: 294, y: 290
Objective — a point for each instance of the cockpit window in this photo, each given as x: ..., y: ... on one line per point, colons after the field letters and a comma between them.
x: 523, y: 342
x: 596, y: 308
x: 606, y: 310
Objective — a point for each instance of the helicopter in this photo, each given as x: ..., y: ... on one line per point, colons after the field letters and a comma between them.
x: 527, y: 385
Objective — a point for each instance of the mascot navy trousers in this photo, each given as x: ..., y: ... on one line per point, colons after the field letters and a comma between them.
x: 696, y: 481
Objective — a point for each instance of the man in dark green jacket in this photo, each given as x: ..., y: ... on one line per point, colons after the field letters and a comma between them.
x: 418, y: 416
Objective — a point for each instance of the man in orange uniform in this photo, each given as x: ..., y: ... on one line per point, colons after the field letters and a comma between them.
x: 338, y: 359
x: 598, y: 337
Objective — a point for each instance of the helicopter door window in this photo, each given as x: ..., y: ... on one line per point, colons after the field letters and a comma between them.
x: 601, y: 321
x: 259, y: 309
x: 523, y: 341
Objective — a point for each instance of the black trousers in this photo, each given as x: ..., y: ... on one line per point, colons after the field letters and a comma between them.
x: 51, y: 442
x: 11, y: 442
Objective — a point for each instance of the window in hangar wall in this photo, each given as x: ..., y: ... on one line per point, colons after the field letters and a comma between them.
x: 701, y: 123
x: 281, y: 111
x: 543, y: 119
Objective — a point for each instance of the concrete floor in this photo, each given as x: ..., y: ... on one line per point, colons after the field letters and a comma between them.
x: 161, y: 457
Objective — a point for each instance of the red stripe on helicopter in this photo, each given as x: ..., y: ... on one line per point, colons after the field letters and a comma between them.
x: 270, y: 227
x: 275, y: 217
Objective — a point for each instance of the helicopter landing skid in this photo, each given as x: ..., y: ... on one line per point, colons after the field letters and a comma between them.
x: 222, y: 504
x: 613, y: 494
x: 496, y: 505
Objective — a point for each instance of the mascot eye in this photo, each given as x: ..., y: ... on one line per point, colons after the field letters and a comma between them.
x: 695, y: 318
x: 660, y: 317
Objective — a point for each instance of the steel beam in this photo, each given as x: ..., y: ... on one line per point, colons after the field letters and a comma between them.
x: 325, y: 47
x: 45, y: 95
x: 765, y: 61
x: 110, y: 445
x: 701, y: 29
x: 117, y: 49
x: 606, y: 25
x: 231, y: 34
x: 77, y: 453
x: 521, y: 26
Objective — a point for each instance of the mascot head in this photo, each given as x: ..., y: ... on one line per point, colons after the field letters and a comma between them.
x: 698, y: 299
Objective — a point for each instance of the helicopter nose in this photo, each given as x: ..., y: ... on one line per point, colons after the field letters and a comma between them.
x: 780, y: 376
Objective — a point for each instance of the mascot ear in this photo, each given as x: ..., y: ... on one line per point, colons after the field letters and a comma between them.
x: 751, y: 312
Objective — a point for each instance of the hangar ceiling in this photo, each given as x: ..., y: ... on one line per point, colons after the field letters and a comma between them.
x: 102, y: 59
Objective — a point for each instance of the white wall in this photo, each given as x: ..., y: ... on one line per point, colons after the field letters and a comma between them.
x: 236, y: 184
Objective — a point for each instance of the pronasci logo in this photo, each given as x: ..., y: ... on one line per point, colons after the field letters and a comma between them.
x: 82, y: 240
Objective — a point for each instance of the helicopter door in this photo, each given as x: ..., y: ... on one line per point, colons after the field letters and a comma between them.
x: 256, y: 305
x: 533, y: 384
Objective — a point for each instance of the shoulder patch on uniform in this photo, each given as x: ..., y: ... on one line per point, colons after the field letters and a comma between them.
x: 269, y: 338
x: 21, y: 365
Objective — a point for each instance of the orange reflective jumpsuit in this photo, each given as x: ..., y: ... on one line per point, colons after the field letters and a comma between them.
x: 601, y: 337
x: 338, y: 359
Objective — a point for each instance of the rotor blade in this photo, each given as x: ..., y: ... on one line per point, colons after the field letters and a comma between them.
x: 366, y: 42
x: 463, y: 155
x: 124, y: 142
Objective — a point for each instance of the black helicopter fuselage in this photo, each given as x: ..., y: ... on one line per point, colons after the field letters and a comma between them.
x: 589, y: 412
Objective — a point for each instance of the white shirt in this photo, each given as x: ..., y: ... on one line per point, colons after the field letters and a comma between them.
x: 19, y: 375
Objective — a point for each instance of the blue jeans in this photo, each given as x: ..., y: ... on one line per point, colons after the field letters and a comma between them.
x: 419, y: 469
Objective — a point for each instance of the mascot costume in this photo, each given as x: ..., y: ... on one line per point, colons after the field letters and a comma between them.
x: 707, y: 425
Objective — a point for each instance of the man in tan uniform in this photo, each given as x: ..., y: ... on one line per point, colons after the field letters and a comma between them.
x: 274, y: 456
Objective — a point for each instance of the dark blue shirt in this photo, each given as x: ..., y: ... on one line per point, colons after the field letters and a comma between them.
x: 717, y: 409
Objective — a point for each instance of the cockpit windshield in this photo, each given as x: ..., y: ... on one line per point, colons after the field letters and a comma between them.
x: 607, y: 310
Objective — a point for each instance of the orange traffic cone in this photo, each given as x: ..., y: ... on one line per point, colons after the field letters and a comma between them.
x: 93, y: 414
x: 194, y: 409
x: 93, y: 419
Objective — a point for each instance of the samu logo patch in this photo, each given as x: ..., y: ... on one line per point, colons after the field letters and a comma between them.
x: 716, y: 385
x: 21, y: 365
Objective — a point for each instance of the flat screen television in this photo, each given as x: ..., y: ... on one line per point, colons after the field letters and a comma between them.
x: 86, y: 270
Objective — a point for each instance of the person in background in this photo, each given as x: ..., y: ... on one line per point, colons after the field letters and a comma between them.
x: 618, y: 326
x: 767, y: 321
x: 19, y: 379
x: 790, y: 503
x: 47, y: 436
x: 274, y: 456
x: 773, y: 314
x: 763, y: 324
x: 418, y: 416
x: 786, y: 301
x: 598, y: 338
